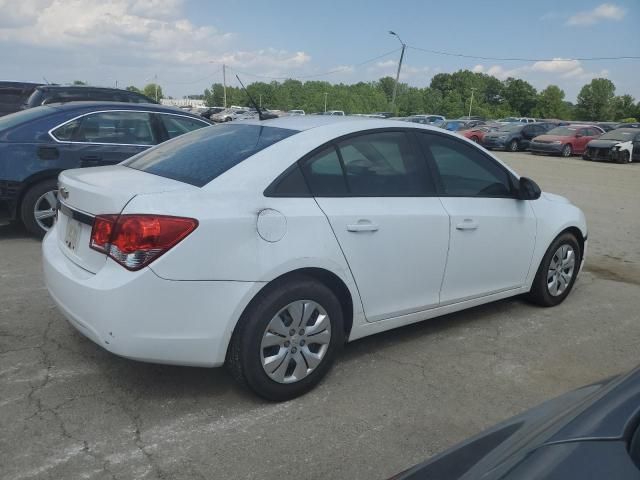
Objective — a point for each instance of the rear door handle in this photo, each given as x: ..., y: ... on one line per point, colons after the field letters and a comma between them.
x: 362, y: 226
x: 467, y: 224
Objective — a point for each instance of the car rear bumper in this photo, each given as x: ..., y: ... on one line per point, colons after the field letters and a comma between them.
x: 545, y: 147
x: 141, y: 316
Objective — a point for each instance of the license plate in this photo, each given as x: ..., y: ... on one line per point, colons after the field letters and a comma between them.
x: 72, y: 234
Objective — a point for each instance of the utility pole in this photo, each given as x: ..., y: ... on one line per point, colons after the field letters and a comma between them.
x: 224, y: 85
x: 155, y: 82
x: 473, y: 89
x: 260, y: 100
x: 395, y: 86
x: 325, y: 102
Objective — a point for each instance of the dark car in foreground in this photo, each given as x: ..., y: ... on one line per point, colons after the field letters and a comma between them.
x: 514, y: 136
x: 47, y: 94
x: 13, y: 95
x: 621, y: 145
x: 38, y: 143
x: 590, y: 433
x: 565, y: 141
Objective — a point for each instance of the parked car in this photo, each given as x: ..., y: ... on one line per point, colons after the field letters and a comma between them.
x: 607, y: 126
x: 590, y: 433
x: 47, y: 94
x: 38, y: 143
x: 476, y: 134
x: 517, y: 120
x: 323, y: 229
x: 229, y: 115
x: 335, y: 112
x: 628, y: 125
x: 621, y: 145
x: 472, y: 117
x: 13, y: 95
x: 456, y: 125
x: 514, y: 136
x: 384, y: 114
x: 426, y: 119
x: 211, y: 111
x: 565, y: 141
x: 296, y: 112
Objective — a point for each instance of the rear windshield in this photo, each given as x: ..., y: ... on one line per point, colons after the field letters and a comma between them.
x: 200, y: 156
x: 13, y: 119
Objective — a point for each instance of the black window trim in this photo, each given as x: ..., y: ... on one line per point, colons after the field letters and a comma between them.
x: 270, y: 191
x: 132, y: 110
x: 513, y: 181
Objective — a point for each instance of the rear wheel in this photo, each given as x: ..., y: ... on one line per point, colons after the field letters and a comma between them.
x: 513, y: 146
x: 39, y: 207
x: 475, y: 139
x: 557, y: 272
x: 287, y: 339
x: 566, y: 150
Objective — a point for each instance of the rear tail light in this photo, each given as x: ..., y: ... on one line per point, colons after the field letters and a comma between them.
x: 134, y: 241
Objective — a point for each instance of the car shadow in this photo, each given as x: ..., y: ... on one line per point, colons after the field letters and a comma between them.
x: 13, y: 230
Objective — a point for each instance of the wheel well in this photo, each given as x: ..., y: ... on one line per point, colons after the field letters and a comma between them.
x: 334, y: 283
x: 575, y: 231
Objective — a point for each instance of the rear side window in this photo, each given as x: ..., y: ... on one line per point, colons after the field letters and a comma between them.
x: 124, y: 128
x: 324, y: 174
x: 384, y: 164
x: 176, y: 125
x: 464, y: 170
x: 201, y: 156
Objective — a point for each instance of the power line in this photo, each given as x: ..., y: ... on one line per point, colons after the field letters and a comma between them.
x: 315, y: 75
x: 519, y: 59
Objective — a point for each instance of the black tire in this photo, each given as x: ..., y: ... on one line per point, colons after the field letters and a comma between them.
x: 244, y: 356
x: 566, y: 151
x: 29, y: 202
x: 540, y: 293
x: 475, y: 139
x: 623, y: 157
x: 585, y: 157
x: 513, y: 146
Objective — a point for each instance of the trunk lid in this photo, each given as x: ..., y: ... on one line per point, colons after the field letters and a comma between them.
x: 87, y: 192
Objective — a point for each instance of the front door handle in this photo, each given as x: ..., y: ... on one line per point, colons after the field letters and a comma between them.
x: 362, y: 226
x: 467, y: 224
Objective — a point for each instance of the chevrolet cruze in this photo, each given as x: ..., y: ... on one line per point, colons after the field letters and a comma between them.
x: 266, y: 245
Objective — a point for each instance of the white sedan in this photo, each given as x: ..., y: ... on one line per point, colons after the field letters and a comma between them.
x: 266, y: 245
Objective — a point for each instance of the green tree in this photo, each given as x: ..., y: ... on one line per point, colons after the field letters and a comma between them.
x: 520, y: 95
x: 595, y: 100
x: 623, y: 107
x: 79, y: 82
x: 551, y: 103
x: 153, y: 91
x: 132, y: 88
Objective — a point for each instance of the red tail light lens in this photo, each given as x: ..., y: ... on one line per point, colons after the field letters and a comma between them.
x: 134, y: 241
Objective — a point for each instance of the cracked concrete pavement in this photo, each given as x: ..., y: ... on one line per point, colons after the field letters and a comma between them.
x: 69, y: 409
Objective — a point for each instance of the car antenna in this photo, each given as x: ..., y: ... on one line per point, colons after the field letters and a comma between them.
x: 261, y: 115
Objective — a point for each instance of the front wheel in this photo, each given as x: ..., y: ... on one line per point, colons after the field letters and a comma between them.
x: 566, y: 150
x: 287, y: 339
x: 39, y: 207
x: 557, y: 272
x: 624, y: 157
x: 513, y: 146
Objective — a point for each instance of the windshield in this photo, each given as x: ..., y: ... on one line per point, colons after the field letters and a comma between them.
x: 563, y: 131
x: 619, y: 135
x: 200, y: 156
x: 13, y: 119
x: 510, y: 128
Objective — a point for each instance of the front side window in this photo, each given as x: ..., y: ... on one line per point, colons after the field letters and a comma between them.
x: 124, y: 128
x: 177, y: 126
x: 464, y: 170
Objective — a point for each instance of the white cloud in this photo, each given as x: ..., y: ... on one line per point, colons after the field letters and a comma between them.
x: 606, y: 11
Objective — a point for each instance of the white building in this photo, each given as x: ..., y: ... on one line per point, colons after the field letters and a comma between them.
x: 182, y: 102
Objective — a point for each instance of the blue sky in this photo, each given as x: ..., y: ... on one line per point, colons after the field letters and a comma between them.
x: 185, y: 42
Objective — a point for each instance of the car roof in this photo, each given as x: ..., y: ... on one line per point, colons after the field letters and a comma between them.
x: 95, y: 105
x: 84, y: 87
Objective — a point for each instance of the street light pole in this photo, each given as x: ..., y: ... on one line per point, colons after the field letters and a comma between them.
x: 325, y: 102
x: 473, y: 89
x: 224, y: 85
x: 395, y: 86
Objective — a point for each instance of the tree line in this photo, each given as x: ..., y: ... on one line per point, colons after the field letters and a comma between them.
x: 448, y: 94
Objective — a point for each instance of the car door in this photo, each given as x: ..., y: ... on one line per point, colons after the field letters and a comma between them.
x: 107, y: 137
x: 380, y: 200
x: 529, y: 132
x: 583, y: 136
x: 492, y: 234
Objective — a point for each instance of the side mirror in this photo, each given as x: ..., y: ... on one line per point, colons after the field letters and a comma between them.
x: 528, y: 189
